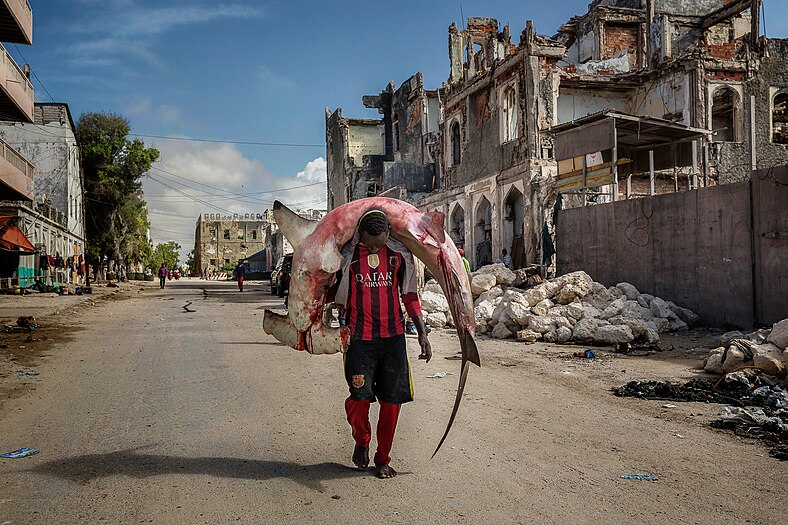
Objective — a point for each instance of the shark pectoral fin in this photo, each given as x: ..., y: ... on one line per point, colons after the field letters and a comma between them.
x: 437, y: 225
x: 294, y: 227
x: 460, y: 389
x: 282, y: 328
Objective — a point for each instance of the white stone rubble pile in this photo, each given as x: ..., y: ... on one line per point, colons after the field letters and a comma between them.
x: 568, y: 308
x: 765, y: 349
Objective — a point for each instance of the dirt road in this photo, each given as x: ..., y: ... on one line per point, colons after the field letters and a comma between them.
x: 151, y: 414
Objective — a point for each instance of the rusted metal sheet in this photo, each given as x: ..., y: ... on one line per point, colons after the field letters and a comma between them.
x: 692, y: 248
x: 770, y: 215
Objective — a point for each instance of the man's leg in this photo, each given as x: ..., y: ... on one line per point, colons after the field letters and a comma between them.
x: 358, y: 416
x: 387, y: 424
x: 359, y: 374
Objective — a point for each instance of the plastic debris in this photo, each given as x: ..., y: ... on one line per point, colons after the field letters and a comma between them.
x: 641, y: 477
x: 668, y: 405
x: 21, y: 453
x: 438, y: 375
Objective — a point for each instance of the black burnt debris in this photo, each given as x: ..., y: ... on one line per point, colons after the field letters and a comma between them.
x: 756, y: 404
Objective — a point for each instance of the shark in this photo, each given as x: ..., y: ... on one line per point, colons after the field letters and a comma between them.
x: 317, y: 259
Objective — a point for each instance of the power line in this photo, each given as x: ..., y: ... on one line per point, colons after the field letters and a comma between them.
x: 34, y: 74
x: 244, y: 194
x: 241, y: 142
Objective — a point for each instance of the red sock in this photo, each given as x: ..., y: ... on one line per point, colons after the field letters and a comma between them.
x: 358, y: 416
x: 387, y: 424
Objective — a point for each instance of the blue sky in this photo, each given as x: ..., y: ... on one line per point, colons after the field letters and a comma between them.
x: 250, y: 71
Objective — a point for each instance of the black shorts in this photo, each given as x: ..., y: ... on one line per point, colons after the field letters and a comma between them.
x: 379, y: 369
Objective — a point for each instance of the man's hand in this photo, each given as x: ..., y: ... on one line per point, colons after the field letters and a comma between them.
x: 424, y: 342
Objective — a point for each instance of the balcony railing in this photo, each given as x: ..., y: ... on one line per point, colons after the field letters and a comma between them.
x: 16, y: 74
x: 16, y: 160
x: 27, y: 9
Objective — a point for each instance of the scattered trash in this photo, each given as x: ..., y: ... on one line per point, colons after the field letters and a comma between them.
x: 453, y: 357
x: 32, y: 373
x: 506, y: 363
x: 21, y: 453
x: 642, y: 477
x: 438, y: 375
x: 668, y: 405
x: 187, y: 309
x: 336, y: 496
x: 756, y: 406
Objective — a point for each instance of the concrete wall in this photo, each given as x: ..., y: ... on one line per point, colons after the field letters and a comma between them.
x: 364, y: 140
x: 693, y: 248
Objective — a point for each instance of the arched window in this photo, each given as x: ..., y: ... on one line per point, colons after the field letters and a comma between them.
x: 780, y: 119
x: 509, y: 115
x: 724, y: 115
x: 455, y: 144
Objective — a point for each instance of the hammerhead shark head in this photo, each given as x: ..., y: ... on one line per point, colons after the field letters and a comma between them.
x: 317, y: 259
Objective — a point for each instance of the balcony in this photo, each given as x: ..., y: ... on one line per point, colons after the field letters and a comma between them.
x: 16, y: 174
x: 16, y: 91
x: 16, y: 22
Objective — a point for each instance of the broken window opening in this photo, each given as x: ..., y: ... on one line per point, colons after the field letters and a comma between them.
x: 509, y: 114
x: 457, y: 226
x: 780, y: 118
x: 241, y: 234
x: 373, y: 189
x: 396, y: 136
x: 483, y: 233
x: 455, y: 144
x: 724, y: 115
x: 254, y: 235
x: 226, y: 234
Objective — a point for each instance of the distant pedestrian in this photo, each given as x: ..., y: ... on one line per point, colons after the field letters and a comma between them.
x: 239, y: 272
x: 162, y: 275
x: 505, y: 259
x: 465, y: 261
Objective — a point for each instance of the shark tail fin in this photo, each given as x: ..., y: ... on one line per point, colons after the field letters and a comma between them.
x: 294, y: 227
x: 460, y: 388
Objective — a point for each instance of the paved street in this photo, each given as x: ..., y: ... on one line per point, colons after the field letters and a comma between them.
x: 151, y: 414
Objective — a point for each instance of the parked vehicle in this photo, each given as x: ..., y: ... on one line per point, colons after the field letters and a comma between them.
x: 176, y: 274
x: 280, y: 277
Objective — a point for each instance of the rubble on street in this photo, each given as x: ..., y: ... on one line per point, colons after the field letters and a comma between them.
x: 570, y: 308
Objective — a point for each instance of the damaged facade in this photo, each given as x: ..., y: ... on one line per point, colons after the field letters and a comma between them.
x: 694, y: 83
x: 226, y: 239
x: 397, y: 155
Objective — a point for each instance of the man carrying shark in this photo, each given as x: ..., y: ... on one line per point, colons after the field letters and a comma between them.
x: 377, y: 272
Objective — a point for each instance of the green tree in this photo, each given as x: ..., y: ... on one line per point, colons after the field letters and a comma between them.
x: 191, y: 263
x: 113, y: 167
x: 167, y: 253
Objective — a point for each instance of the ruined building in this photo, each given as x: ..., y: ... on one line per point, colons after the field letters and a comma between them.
x: 632, y: 98
x: 396, y: 155
x: 226, y: 239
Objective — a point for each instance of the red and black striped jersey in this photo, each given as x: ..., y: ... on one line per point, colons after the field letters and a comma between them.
x: 374, y: 310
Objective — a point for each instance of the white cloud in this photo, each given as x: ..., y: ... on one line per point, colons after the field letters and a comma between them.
x: 272, y: 80
x: 218, y: 178
x: 162, y: 113
x: 128, y: 29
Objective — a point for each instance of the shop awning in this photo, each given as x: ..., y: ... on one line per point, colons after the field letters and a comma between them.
x: 12, y: 238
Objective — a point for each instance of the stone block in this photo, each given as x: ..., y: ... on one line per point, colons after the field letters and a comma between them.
x: 779, y: 334
x: 434, y: 302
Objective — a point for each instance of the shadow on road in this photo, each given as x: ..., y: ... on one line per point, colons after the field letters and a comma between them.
x: 86, y: 468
